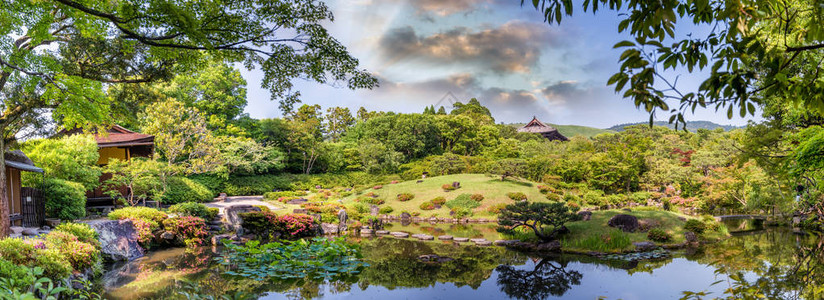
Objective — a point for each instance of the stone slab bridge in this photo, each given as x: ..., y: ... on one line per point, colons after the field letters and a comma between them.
x: 740, y: 217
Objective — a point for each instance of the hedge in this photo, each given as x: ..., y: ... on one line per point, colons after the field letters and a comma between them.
x: 65, y: 200
x: 182, y: 189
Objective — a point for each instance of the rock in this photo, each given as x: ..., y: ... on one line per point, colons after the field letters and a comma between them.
x: 456, y: 184
x: 477, y: 240
x: 215, y: 228
x: 691, y: 237
x: 405, y: 216
x: 647, y: 224
x: 445, y: 237
x: 30, y: 232
x: 645, y: 246
x: 118, y: 239
x: 419, y: 181
x: 504, y: 242
x: 483, y: 243
x: 52, y: 222
x: 232, y: 215
x: 424, y: 237
x: 400, y: 234
x: 460, y: 239
x: 434, y: 258
x: 366, y: 231
x: 374, y: 210
x: 343, y: 218
x: 215, y: 223
x: 682, y: 219
x: 217, y: 239
x: 297, y: 201
x: 167, y: 236
x: 382, y: 232
x: 553, y: 246
x: 626, y: 223
x: 585, y: 215
x: 329, y: 228
x: 626, y: 209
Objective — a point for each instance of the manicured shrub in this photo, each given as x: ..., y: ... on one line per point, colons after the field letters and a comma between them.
x: 403, y: 197
x: 144, y: 230
x: 17, y: 251
x: 545, y: 189
x: 148, y: 214
x: 461, y: 212
x: 192, y: 230
x: 695, y: 226
x: 386, y: 210
x: 553, y: 197
x: 438, y: 201
x: 517, y: 196
x: 18, y: 278
x: 463, y: 201
x: 33, y: 253
x: 360, y: 207
x: 447, y: 187
x: 658, y: 235
x: 496, y: 209
x: 477, y: 197
x: 80, y: 255
x: 65, y: 200
x: 370, y: 200
x: 54, y: 264
x: 182, y: 189
x: 265, y: 224
x: 82, y: 231
x: 427, y: 206
x: 194, y: 209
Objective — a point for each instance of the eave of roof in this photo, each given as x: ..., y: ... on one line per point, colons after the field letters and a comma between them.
x: 22, y: 166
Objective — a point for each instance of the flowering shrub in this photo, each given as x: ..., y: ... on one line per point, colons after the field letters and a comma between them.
x: 447, y: 187
x: 144, y: 231
x: 403, y: 197
x: 439, y: 200
x: 192, y: 230
x: 83, y: 232
x: 477, y: 197
x: 80, y: 255
x: 148, y: 215
x: 427, y: 206
x: 33, y: 253
x: 266, y: 224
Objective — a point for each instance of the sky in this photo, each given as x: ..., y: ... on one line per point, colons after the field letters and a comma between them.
x: 428, y: 52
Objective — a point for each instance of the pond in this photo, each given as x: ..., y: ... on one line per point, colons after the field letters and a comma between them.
x: 767, y: 258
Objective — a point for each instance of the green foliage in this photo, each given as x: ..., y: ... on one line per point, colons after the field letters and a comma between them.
x: 497, y: 208
x: 79, y: 254
x: 462, y: 201
x: 386, y: 210
x: 405, y: 197
x: 140, y: 176
x: 82, y: 231
x: 613, y: 240
x: 14, y: 277
x: 65, y: 200
x: 517, y: 196
x: 70, y: 158
x: 695, y: 226
x: 427, y: 206
x: 659, y: 235
x: 438, y: 200
x: 182, y: 189
x: 536, y: 216
x: 150, y: 215
x: 274, y: 196
x: 192, y: 230
x: 181, y: 137
x: 194, y: 210
x: 316, y: 259
x: 33, y: 253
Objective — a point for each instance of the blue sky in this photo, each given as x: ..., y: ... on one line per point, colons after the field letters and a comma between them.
x: 493, y: 50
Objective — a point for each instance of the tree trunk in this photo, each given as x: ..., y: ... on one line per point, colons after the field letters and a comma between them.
x: 5, y: 221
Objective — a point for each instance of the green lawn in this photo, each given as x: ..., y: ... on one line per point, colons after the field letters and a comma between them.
x: 596, y: 235
x: 493, y: 189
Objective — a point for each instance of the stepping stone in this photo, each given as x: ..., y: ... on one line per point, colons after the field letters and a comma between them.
x: 483, y: 243
x: 402, y: 235
x: 424, y: 237
x: 460, y: 239
x: 445, y: 238
x: 366, y: 231
x: 477, y: 240
x: 504, y: 242
x: 382, y: 232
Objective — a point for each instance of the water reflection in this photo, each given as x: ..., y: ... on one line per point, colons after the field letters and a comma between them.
x: 774, y: 262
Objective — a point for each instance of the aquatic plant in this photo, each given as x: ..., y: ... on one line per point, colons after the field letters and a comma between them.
x: 316, y: 259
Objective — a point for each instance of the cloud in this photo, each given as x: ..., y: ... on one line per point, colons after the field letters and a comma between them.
x: 563, y: 91
x: 514, y: 47
x: 444, y: 8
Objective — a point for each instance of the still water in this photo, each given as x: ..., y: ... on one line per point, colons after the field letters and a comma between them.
x: 780, y: 263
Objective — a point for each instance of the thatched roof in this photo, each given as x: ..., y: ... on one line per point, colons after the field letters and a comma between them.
x: 18, y: 160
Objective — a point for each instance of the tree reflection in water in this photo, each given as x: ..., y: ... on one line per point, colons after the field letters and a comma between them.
x: 547, y: 278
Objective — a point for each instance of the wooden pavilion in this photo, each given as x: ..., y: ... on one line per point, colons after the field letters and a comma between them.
x: 549, y: 132
x: 26, y: 206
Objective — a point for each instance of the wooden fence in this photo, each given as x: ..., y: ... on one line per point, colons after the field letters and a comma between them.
x: 34, y: 207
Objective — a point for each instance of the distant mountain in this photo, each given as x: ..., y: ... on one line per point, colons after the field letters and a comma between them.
x: 691, y: 125
x: 572, y: 130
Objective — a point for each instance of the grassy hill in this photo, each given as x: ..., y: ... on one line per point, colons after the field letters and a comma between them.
x: 493, y: 189
x: 691, y: 125
x: 573, y: 130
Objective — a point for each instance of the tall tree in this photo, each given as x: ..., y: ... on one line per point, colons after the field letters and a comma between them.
x: 306, y: 135
x: 338, y: 119
x: 56, y: 55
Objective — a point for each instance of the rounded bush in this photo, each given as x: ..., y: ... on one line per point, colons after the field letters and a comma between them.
x: 517, y: 196
x: 194, y: 210
x: 658, y: 235
x: 80, y: 255
x: 497, y: 208
x: 695, y: 226
x: 139, y: 212
x: 386, y: 210
x: 427, y: 206
x: 477, y: 197
x: 403, y: 197
x: 65, y: 200
x: 182, y: 189
x: 82, y: 231
x: 447, y: 187
x: 438, y: 201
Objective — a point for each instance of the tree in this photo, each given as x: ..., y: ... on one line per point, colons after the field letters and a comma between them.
x: 754, y: 50
x: 140, y: 176
x: 536, y: 216
x: 546, y: 279
x: 338, y: 119
x: 71, y: 158
x: 181, y: 138
x: 58, y: 54
x: 306, y: 135
x: 245, y: 156
x: 507, y: 167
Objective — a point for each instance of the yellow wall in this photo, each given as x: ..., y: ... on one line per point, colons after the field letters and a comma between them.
x: 111, y: 152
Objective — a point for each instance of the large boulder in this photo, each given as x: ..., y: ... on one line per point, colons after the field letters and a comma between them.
x: 644, y: 246
x: 232, y: 215
x: 626, y: 223
x: 329, y: 228
x: 118, y: 239
x: 585, y: 215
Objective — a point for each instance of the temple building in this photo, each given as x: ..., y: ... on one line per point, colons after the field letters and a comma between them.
x: 549, y: 132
